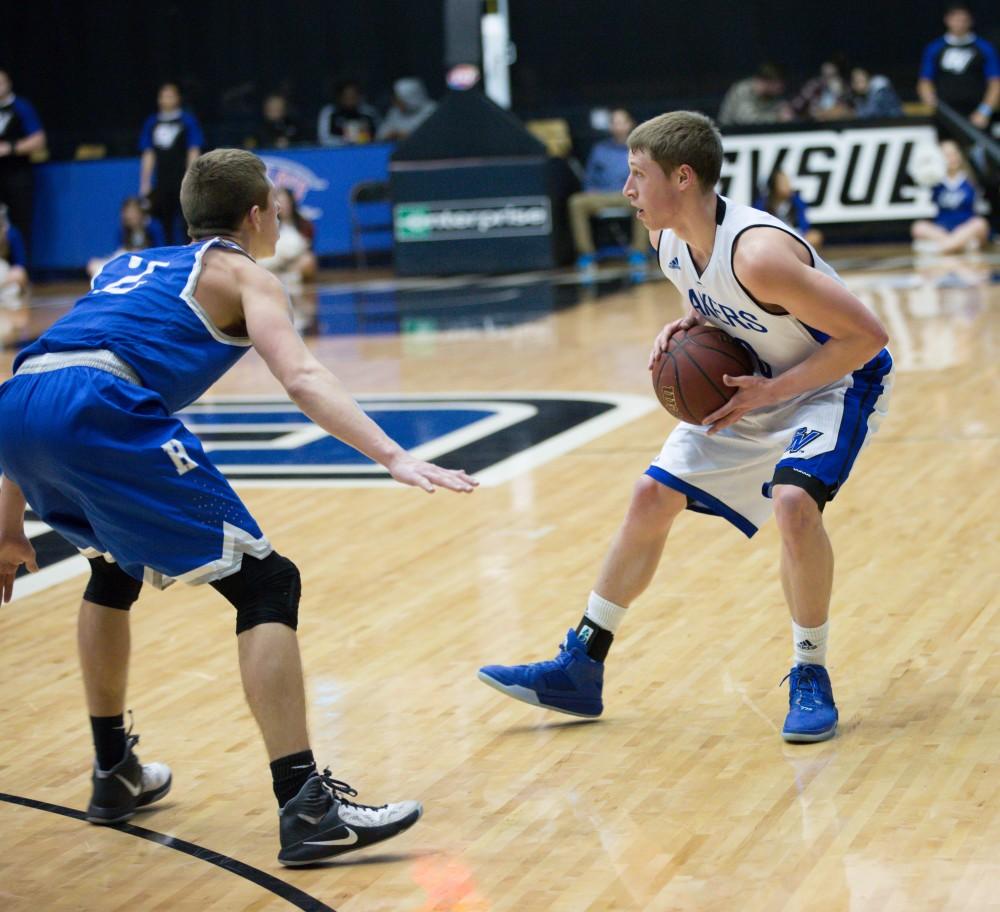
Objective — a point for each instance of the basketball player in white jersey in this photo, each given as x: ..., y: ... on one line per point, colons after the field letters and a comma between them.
x: 785, y: 443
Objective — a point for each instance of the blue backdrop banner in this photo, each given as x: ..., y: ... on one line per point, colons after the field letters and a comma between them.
x: 77, y: 203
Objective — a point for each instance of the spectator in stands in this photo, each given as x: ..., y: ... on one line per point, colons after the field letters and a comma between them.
x: 293, y: 261
x: 349, y: 119
x: 21, y: 136
x: 137, y: 230
x: 171, y: 139
x: 277, y: 129
x: 957, y: 226
x: 783, y: 202
x: 825, y: 96
x: 410, y: 108
x: 961, y: 69
x: 756, y: 100
x: 13, y: 264
x: 607, y: 171
x: 873, y: 95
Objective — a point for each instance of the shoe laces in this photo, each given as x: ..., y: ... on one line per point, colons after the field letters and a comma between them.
x: 130, y: 740
x: 559, y: 663
x: 337, y: 790
x: 805, y: 687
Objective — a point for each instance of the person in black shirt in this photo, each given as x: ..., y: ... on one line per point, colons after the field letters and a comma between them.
x: 21, y: 135
x: 277, y: 129
x: 961, y: 69
x: 349, y: 120
x: 171, y: 140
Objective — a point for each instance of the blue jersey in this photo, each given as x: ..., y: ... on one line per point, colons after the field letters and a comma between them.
x: 142, y: 307
x: 956, y: 202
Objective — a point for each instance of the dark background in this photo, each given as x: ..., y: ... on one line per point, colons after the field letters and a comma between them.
x: 92, y: 68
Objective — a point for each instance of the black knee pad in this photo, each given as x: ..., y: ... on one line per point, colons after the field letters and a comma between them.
x: 263, y: 592
x: 110, y: 586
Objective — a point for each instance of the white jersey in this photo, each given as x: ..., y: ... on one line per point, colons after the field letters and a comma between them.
x: 778, y: 341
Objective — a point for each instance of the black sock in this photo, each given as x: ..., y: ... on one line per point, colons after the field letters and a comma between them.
x: 289, y: 774
x: 596, y: 640
x: 109, y: 739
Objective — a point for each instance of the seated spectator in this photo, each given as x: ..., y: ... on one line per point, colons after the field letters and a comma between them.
x: 410, y: 108
x: 293, y: 261
x: 873, y: 96
x: 757, y: 100
x: 957, y: 227
x: 13, y: 264
x: 607, y: 171
x: 137, y: 230
x: 783, y: 202
x: 349, y: 119
x: 826, y: 96
x: 277, y: 129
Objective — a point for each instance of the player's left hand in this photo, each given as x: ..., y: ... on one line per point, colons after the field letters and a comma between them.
x: 409, y: 471
x: 14, y: 551
x: 754, y: 392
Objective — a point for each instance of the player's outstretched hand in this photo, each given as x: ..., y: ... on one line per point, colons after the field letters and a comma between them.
x: 14, y: 551
x: 692, y: 318
x: 407, y: 470
x: 754, y: 392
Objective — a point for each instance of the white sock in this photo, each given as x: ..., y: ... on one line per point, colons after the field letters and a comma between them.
x: 604, y: 613
x: 810, y: 644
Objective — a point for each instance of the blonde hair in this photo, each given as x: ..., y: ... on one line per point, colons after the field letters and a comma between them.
x: 220, y: 188
x: 681, y: 138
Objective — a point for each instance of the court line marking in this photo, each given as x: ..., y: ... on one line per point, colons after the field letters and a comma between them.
x: 269, y: 882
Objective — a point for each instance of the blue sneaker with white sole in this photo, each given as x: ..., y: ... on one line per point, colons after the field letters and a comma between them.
x: 570, y: 683
x: 812, y: 714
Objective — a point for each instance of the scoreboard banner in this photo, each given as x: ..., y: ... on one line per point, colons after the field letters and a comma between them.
x: 844, y: 175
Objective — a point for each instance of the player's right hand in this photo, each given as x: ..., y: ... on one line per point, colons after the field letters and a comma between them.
x: 692, y: 318
x: 14, y: 551
x: 409, y: 471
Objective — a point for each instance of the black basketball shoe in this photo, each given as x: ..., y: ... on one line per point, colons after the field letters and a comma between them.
x: 126, y: 786
x: 320, y: 823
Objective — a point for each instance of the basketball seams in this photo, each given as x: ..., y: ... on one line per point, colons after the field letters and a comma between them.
x: 707, y: 379
x: 736, y: 355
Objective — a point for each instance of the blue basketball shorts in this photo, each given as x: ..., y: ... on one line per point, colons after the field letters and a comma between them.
x: 813, y: 439
x: 102, y: 462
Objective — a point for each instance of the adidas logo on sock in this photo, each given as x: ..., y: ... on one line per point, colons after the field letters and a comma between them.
x: 805, y: 644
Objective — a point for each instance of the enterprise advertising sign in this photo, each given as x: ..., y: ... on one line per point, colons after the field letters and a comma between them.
x: 467, y: 219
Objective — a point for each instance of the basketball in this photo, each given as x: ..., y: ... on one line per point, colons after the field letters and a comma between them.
x: 687, y: 377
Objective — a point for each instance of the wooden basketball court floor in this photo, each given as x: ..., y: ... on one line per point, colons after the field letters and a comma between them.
x: 683, y: 796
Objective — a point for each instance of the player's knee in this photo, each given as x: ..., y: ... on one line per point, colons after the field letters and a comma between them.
x: 795, y: 510
x: 654, y: 505
x: 110, y: 586
x: 263, y: 592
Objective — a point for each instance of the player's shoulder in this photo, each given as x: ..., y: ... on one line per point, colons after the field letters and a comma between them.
x: 762, y: 250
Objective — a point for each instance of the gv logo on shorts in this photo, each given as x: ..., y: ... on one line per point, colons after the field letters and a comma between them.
x: 803, y: 437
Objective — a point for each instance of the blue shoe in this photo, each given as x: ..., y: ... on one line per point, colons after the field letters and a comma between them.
x: 586, y: 262
x: 570, y: 683
x: 812, y: 714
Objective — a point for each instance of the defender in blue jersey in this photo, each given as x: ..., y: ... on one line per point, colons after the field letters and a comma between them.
x: 90, y: 441
x: 784, y: 444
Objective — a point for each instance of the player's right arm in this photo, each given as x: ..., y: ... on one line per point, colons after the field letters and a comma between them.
x: 319, y: 393
x: 15, y: 548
